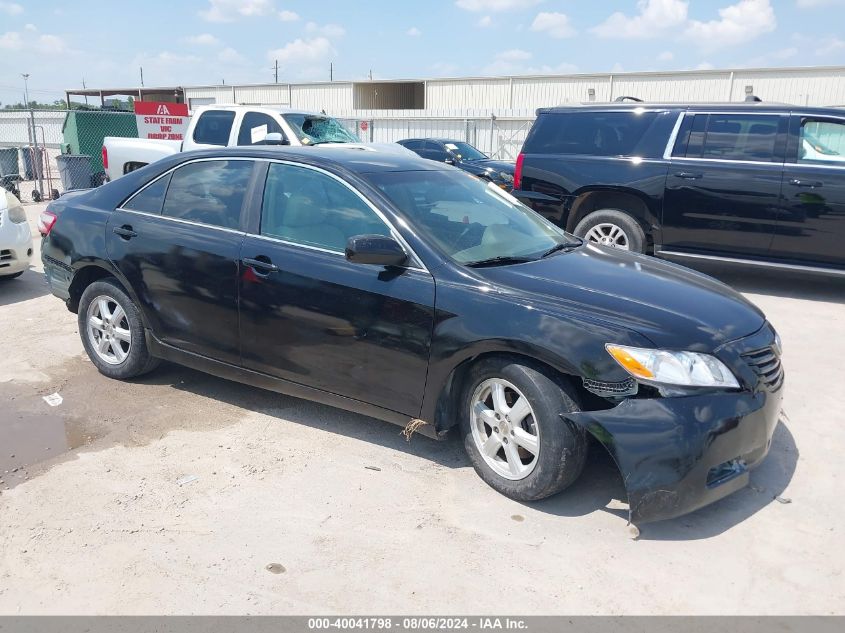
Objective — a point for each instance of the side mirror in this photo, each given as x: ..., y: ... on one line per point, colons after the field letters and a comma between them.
x: 451, y: 160
x: 379, y: 250
x: 275, y: 138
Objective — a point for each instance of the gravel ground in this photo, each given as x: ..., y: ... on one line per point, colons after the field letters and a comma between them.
x: 184, y: 493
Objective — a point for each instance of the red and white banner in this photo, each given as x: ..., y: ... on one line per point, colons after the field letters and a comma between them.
x: 163, y: 121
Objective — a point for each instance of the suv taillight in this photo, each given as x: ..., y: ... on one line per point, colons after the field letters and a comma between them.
x: 46, y: 222
x: 517, y: 172
x: 105, y: 157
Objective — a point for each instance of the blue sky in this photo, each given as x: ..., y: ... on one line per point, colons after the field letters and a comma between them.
x: 188, y: 42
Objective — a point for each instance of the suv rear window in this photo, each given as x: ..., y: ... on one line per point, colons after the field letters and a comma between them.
x: 749, y: 137
x: 592, y: 133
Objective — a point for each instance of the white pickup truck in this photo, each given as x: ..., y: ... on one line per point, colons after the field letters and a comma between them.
x: 226, y: 125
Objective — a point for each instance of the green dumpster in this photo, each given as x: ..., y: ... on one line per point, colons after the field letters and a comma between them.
x: 8, y: 161
x: 84, y: 131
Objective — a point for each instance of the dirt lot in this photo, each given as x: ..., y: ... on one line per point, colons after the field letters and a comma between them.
x: 96, y: 514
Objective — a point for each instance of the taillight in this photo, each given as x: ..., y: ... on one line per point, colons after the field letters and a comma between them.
x: 46, y: 222
x: 517, y: 172
x: 105, y: 157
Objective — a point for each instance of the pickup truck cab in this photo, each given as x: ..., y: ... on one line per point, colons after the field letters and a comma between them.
x: 217, y: 126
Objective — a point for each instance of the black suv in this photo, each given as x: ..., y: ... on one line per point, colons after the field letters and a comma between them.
x: 749, y: 183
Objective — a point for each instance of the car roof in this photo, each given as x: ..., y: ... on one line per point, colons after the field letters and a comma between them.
x: 433, y: 138
x: 356, y: 158
x: 753, y: 106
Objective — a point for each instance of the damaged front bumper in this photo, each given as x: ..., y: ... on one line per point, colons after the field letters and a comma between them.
x: 679, y: 454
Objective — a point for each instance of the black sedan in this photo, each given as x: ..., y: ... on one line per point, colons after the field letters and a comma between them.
x: 464, y: 156
x: 410, y: 291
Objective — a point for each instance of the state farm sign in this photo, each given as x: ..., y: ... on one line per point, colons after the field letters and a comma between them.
x: 163, y: 121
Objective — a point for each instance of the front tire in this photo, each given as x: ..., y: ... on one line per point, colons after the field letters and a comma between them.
x: 12, y: 276
x: 612, y: 227
x: 513, y: 432
x: 112, y: 331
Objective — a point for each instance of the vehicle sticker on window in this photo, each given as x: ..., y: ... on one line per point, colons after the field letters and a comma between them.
x: 451, y: 146
x: 257, y: 134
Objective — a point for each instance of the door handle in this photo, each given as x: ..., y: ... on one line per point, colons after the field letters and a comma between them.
x: 812, y: 184
x: 686, y: 175
x: 261, y: 265
x: 125, y: 232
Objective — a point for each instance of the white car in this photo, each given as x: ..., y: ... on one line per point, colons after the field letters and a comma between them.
x: 15, y: 237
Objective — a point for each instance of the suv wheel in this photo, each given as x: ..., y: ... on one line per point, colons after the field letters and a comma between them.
x: 612, y: 227
x: 513, y: 433
x: 112, y: 331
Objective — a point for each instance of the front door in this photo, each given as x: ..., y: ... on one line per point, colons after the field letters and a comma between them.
x: 177, y: 242
x: 310, y: 316
x: 811, y: 230
x: 723, y: 184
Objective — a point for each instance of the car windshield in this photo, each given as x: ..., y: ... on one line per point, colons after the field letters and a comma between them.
x: 464, y: 150
x: 469, y: 221
x: 313, y: 129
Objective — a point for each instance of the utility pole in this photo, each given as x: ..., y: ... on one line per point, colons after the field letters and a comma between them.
x: 142, y: 76
x: 84, y: 87
x: 331, y: 71
x: 371, y: 74
x: 277, y: 71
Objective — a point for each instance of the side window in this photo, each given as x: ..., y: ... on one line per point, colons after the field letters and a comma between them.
x: 414, y: 146
x: 435, y: 151
x: 255, y: 126
x: 595, y: 133
x: 822, y: 142
x: 210, y: 192
x: 308, y: 207
x: 150, y: 199
x: 213, y: 127
x: 750, y: 137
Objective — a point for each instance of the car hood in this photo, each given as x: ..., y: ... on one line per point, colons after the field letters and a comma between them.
x: 673, y: 306
x: 489, y: 163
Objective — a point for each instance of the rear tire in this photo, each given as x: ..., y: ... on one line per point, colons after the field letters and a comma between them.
x: 112, y: 331
x: 10, y: 277
x: 612, y: 227
x: 521, y: 446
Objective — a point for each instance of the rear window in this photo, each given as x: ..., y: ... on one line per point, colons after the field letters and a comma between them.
x: 210, y: 192
x: 213, y: 127
x: 596, y: 134
x: 747, y: 137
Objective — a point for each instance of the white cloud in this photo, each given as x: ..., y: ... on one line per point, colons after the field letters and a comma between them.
x: 655, y: 17
x: 231, y: 10
x: 288, y: 16
x: 12, y: 8
x: 30, y: 27
x: 327, y: 30
x: 413, y: 32
x: 666, y: 56
x: 230, y: 56
x: 50, y: 44
x: 516, y: 61
x: 737, y: 24
x: 300, y: 50
x: 555, y: 24
x: 829, y: 46
x: 495, y: 5
x: 203, y: 39
x: 484, y: 22
x: 11, y: 41
x: 444, y: 68
x: 704, y: 66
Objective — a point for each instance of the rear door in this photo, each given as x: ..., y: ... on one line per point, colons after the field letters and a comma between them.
x: 811, y: 230
x: 723, y: 185
x: 177, y: 242
x: 310, y: 316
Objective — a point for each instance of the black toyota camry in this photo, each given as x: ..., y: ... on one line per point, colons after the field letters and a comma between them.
x: 413, y: 292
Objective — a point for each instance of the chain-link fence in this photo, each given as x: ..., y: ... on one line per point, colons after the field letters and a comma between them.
x: 46, y: 152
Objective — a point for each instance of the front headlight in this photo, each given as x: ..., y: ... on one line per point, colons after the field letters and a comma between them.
x: 662, y: 367
x: 505, y: 176
x: 17, y: 215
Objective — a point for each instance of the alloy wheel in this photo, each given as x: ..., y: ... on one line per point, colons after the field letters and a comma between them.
x: 609, y: 234
x: 108, y: 330
x: 504, y: 429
